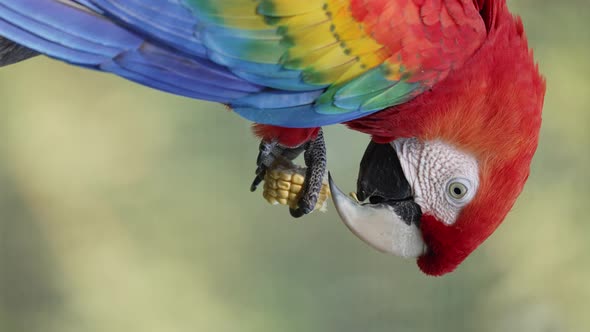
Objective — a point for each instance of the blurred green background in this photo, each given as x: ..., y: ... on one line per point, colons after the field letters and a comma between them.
x: 127, y: 209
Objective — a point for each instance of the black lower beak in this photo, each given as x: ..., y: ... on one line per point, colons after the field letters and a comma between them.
x: 381, y: 180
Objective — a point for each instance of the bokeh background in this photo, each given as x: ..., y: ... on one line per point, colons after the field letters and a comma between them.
x: 127, y: 209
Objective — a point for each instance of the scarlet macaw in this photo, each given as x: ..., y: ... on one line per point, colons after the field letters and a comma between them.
x: 448, y: 90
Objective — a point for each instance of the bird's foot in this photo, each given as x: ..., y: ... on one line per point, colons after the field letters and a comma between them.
x: 303, y: 189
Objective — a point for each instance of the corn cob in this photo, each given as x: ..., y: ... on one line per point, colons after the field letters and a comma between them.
x: 283, y: 183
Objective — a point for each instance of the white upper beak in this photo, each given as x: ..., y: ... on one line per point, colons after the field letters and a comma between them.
x: 379, y: 226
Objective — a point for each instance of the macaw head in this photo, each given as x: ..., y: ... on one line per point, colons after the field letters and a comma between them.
x: 443, y: 170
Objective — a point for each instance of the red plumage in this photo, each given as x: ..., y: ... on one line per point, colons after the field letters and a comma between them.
x: 428, y: 37
x: 490, y: 107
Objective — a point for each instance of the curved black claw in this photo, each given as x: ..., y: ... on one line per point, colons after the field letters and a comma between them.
x: 268, y: 153
x: 315, y: 160
x: 263, y: 161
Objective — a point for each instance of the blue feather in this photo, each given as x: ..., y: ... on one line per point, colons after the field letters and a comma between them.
x: 163, y: 86
x: 202, y: 82
x: 88, y: 4
x: 199, y: 70
x: 165, y: 20
x: 101, y: 44
x: 162, y: 44
x: 63, y: 35
x: 287, y: 82
x: 82, y: 58
x: 295, y: 117
x: 272, y: 98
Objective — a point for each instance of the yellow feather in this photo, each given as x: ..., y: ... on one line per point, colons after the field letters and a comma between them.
x: 366, y: 62
x: 294, y: 23
x: 305, y: 58
x: 319, y: 37
x: 280, y: 8
x: 328, y: 75
x: 362, y: 46
x: 376, y: 58
x: 313, y: 37
x: 353, y: 71
x: 332, y: 59
x: 350, y: 30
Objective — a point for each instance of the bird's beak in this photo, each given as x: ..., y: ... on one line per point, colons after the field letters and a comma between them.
x: 389, y: 221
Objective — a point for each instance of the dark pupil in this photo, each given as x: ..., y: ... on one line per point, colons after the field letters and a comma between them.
x: 457, y: 191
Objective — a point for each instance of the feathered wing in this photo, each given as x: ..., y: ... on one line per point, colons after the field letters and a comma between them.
x: 303, y: 63
x: 80, y: 36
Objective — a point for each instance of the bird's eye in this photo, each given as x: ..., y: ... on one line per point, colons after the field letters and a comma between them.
x: 457, y: 190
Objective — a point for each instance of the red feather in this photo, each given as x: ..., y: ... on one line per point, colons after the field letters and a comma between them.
x: 490, y: 107
x: 426, y: 38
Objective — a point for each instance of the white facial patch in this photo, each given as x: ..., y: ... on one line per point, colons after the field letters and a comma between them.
x: 443, y: 178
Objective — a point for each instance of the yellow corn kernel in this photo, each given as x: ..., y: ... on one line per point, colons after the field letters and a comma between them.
x: 286, y: 176
x: 283, y: 183
x: 270, y: 199
x: 283, y: 194
x: 298, y: 178
x: 295, y: 188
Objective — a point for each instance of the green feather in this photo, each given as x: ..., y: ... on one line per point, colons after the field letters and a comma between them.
x: 365, y: 85
x: 397, y: 94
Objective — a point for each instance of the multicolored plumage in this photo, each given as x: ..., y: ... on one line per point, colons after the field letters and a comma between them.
x: 287, y: 63
x: 448, y: 90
